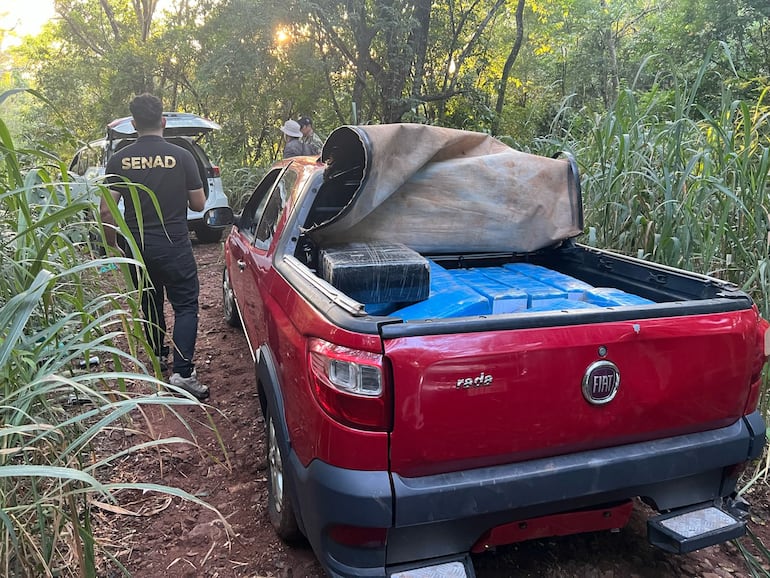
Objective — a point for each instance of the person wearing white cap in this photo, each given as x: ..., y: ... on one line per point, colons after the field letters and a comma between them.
x: 291, y: 134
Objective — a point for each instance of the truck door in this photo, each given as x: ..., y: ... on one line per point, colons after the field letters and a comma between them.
x: 249, y: 249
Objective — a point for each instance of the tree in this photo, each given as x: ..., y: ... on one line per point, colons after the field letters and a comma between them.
x: 514, y: 53
x: 391, y: 49
x: 100, y: 52
x: 505, y: 66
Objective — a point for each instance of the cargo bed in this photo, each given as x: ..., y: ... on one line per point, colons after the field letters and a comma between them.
x: 568, y: 279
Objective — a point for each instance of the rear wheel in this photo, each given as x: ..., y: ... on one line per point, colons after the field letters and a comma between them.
x: 228, y: 301
x: 279, y: 504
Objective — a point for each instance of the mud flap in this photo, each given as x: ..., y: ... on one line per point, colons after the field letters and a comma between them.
x: 689, y: 529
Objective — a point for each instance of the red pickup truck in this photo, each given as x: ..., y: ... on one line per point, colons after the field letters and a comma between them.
x: 443, y: 368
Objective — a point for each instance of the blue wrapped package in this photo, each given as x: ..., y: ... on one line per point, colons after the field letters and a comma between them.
x: 610, y: 297
x: 479, y: 291
x: 563, y: 305
x: 575, y: 288
x: 380, y: 308
x: 502, y: 298
x: 438, y: 272
x: 537, y: 292
x: 447, y: 298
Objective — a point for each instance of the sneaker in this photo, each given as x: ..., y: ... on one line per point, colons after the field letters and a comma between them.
x: 191, y: 385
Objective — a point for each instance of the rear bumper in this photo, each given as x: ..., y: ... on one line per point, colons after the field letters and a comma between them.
x: 444, y: 515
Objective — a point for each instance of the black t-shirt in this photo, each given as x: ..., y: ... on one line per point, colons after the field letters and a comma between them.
x: 166, y: 169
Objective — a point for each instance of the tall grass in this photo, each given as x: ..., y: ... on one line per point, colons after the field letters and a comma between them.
x: 669, y: 180
x: 240, y: 184
x: 72, y: 367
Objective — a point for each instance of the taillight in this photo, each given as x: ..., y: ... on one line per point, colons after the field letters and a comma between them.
x: 214, y: 171
x: 350, y: 385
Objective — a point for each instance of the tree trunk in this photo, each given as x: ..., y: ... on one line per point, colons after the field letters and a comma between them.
x: 508, y: 65
x: 398, y: 59
x: 420, y: 42
x: 612, y: 82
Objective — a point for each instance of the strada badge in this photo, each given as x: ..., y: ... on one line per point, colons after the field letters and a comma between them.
x: 481, y: 380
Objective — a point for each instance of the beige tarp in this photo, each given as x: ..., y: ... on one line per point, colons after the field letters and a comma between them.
x: 444, y: 190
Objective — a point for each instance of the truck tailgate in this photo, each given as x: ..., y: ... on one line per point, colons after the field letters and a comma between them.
x: 469, y: 400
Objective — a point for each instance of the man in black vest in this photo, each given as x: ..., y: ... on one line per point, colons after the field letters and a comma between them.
x: 171, y: 173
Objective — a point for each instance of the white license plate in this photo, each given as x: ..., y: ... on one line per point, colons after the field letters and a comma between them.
x: 446, y: 570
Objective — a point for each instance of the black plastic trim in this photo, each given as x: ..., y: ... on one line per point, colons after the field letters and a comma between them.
x: 330, y: 495
x: 682, y: 294
x: 392, y: 327
x: 632, y: 470
x: 758, y: 429
x: 559, y: 318
x: 464, y: 560
x: 443, y: 515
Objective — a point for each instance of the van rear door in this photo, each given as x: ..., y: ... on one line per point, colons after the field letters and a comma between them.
x: 177, y: 124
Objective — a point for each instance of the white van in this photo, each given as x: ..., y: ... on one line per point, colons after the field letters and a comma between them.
x: 182, y: 129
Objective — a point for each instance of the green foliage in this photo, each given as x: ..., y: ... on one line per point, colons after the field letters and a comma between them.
x: 72, y: 367
x: 251, y: 64
x: 671, y: 134
x: 669, y: 180
x: 240, y: 184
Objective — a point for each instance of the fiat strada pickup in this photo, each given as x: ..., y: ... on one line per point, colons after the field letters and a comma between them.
x: 444, y: 368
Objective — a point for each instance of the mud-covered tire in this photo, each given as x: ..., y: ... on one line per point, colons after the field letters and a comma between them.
x: 279, y: 505
x: 229, y: 308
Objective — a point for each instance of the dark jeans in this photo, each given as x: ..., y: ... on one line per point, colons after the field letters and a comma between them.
x: 173, y: 273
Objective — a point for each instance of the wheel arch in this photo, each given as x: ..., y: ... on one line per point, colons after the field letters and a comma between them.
x: 271, y: 398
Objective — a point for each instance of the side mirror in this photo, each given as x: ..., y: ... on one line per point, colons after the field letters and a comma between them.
x: 218, y: 217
